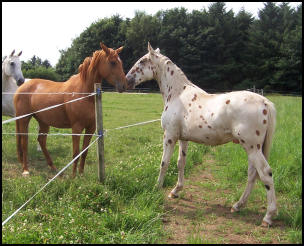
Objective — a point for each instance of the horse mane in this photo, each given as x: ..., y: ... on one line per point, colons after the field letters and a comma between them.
x: 166, y: 61
x: 87, y: 68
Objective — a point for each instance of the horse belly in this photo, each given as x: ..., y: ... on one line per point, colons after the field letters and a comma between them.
x: 206, y: 135
x: 54, y: 118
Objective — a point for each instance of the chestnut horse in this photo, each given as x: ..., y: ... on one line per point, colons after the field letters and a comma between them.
x: 191, y: 114
x: 79, y: 115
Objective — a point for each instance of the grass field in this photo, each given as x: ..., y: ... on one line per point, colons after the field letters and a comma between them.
x: 127, y: 208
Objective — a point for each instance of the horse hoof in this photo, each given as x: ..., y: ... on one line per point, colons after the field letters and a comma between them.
x: 171, y: 195
x: 25, y: 173
x: 265, y: 224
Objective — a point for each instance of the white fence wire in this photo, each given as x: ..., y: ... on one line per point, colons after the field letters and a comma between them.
x: 60, y: 134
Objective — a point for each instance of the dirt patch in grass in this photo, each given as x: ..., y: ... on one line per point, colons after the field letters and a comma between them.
x: 202, y: 214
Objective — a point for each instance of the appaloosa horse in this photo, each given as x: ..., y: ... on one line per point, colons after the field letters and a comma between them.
x: 79, y: 115
x: 12, y: 77
x: 191, y: 114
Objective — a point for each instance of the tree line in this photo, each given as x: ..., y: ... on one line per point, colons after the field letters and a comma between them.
x: 216, y: 49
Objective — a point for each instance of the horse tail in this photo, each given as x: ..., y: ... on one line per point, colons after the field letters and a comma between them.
x: 270, y: 129
x: 18, y: 138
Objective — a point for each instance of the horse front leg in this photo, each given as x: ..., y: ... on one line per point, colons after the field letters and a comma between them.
x: 76, y: 140
x: 183, y: 146
x: 86, y: 141
x: 168, y: 147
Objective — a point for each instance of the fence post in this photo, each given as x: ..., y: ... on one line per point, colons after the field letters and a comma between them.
x: 99, y: 128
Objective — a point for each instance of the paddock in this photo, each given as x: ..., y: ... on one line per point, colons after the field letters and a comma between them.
x: 132, y: 162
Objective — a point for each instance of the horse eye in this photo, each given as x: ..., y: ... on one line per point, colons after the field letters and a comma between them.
x: 113, y: 63
x: 12, y: 63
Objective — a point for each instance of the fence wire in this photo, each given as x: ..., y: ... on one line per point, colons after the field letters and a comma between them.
x: 63, y: 169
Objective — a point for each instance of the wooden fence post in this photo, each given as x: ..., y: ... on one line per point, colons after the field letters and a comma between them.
x: 99, y: 129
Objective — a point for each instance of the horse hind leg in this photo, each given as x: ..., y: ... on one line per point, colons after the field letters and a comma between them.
x: 252, y: 175
x: 44, y: 129
x: 22, y: 143
x: 183, y: 146
x: 265, y: 174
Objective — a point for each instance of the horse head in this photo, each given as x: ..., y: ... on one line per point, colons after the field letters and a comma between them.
x: 106, y: 64
x: 11, y: 66
x: 143, y: 69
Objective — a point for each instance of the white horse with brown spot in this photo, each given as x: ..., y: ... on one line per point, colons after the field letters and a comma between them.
x: 191, y: 114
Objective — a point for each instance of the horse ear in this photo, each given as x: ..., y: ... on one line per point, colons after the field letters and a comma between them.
x: 119, y: 50
x: 12, y: 53
x: 150, y: 49
x: 105, y: 48
x: 157, y: 51
x: 20, y: 53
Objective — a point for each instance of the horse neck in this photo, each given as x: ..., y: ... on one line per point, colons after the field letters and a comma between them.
x: 170, y: 78
x: 8, y: 82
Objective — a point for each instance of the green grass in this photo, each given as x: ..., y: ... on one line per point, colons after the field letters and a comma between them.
x: 127, y: 208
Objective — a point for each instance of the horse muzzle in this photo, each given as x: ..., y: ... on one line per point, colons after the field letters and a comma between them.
x: 120, y: 87
x: 130, y: 82
x: 20, y: 81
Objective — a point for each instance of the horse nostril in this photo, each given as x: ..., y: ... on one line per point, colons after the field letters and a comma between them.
x: 20, y: 82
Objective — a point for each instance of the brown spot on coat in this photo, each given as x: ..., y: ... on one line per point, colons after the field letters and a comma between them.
x: 257, y: 132
x: 228, y: 101
x: 251, y: 146
x: 162, y: 164
x: 200, y: 126
x: 209, y: 127
x: 258, y: 146
x: 172, y: 72
x: 212, y: 114
x: 265, y: 111
x: 236, y: 141
x: 199, y: 106
x: 168, y: 69
x: 184, y: 154
x: 194, y: 98
x: 184, y: 87
x: 166, y: 108
x: 189, y: 104
x: 169, y: 97
x: 264, y: 121
x: 170, y: 141
x: 242, y: 141
x: 267, y: 187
